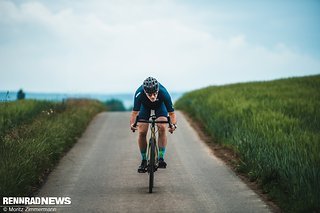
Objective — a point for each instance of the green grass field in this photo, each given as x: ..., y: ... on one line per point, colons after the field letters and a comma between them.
x: 34, y: 136
x: 274, y: 127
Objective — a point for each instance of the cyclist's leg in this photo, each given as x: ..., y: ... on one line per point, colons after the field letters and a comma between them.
x: 162, y: 114
x: 142, y: 138
x: 162, y: 132
x: 143, y: 130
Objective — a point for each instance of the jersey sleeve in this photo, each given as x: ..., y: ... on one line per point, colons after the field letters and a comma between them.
x: 137, y: 101
x: 167, y: 100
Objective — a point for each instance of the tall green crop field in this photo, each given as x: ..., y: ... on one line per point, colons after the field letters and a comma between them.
x: 274, y: 127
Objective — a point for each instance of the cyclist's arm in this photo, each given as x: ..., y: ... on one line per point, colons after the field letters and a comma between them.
x: 133, y: 117
x: 173, y: 117
x: 169, y: 106
x: 136, y: 106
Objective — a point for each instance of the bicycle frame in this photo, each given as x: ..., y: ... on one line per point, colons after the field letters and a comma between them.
x: 153, y: 139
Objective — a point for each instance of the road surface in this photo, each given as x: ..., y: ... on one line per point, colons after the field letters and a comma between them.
x: 100, y: 174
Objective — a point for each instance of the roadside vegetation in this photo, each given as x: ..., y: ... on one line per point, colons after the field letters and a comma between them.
x: 274, y: 127
x: 115, y: 105
x: 19, y: 112
x: 34, y: 136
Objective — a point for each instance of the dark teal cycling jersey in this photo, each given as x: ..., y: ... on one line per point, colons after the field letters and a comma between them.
x: 142, y: 101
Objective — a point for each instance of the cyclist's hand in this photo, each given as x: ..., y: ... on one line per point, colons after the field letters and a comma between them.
x: 133, y: 129
x: 172, y: 128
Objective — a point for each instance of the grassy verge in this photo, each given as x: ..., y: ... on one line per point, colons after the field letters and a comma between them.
x: 34, y: 143
x: 18, y: 112
x: 274, y: 127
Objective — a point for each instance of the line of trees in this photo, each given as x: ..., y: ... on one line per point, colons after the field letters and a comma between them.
x: 21, y: 95
x: 115, y: 105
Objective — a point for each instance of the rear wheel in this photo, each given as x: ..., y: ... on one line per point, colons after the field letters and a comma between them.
x: 151, y: 164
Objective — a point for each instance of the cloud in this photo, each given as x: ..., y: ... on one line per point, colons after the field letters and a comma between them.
x: 112, y: 46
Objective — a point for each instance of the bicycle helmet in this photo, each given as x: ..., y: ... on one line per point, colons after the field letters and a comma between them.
x: 151, y: 85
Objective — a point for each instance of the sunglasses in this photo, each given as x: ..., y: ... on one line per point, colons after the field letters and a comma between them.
x: 152, y: 94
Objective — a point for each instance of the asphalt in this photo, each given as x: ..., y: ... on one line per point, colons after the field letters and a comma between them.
x: 99, y: 174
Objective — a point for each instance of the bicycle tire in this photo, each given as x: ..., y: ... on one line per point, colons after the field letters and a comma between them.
x: 151, y: 164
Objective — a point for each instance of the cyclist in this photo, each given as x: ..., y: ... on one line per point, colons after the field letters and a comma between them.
x: 151, y: 95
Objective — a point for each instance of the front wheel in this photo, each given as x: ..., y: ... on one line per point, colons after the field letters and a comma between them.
x: 152, y: 165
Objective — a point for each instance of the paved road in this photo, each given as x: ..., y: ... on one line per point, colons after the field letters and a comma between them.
x: 100, y: 174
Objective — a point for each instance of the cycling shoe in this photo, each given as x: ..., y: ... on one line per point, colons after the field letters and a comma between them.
x: 143, y: 167
x: 162, y: 164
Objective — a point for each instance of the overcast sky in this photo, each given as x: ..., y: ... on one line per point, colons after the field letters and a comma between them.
x: 111, y: 46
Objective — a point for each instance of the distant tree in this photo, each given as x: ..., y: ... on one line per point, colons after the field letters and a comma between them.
x: 21, y: 95
x: 115, y: 105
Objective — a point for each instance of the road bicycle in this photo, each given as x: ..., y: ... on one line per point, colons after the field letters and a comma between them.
x: 153, y: 149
